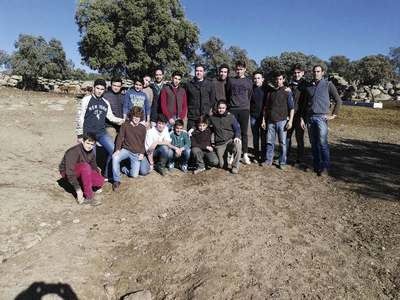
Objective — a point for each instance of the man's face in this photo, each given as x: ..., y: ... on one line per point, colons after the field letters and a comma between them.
x: 146, y: 81
x: 138, y: 86
x: 221, y: 109
x: 240, y: 71
x: 178, y: 129
x: 176, y: 80
x: 298, y: 74
x: 116, y: 87
x: 258, y: 79
x: 223, y: 73
x: 135, y: 120
x: 160, y: 126
x: 279, y: 81
x: 202, y: 126
x: 88, y: 145
x: 158, y: 76
x: 99, y: 90
x: 318, y: 73
x: 199, y: 73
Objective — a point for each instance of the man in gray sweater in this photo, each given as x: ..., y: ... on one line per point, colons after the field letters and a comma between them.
x: 316, y: 114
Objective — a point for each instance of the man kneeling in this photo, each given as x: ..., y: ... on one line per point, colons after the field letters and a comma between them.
x: 80, y: 169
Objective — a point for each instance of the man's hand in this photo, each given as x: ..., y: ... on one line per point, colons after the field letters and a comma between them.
x: 237, y: 141
x: 141, y: 156
x: 302, y: 124
x: 209, y: 148
x: 116, y: 153
x: 178, y: 152
x: 263, y: 125
x: 288, y: 125
x: 171, y: 121
x: 98, y: 170
x: 331, y: 117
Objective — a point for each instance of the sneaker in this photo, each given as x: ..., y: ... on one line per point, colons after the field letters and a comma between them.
x: 116, y: 185
x: 235, y: 170
x: 162, y: 171
x: 266, y: 164
x: 282, y: 167
x: 246, y: 159
x: 99, y: 191
x: 79, y: 197
x: 230, y: 160
x: 184, y: 168
x: 199, y: 170
x: 322, y: 173
x: 171, y: 166
x: 91, y: 201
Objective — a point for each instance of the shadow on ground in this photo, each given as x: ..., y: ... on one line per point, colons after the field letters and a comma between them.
x: 370, y: 168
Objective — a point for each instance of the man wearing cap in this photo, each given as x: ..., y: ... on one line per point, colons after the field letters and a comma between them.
x: 94, y: 110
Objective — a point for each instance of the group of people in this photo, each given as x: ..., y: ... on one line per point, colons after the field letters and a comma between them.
x: 163, y: 125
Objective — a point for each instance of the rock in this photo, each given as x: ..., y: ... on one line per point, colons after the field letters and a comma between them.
x: 16, y: 77
x: 397, y: 86
x: 391, y: 92
x: 388, y: 86
x: 397, y: 98
x: 163, y: 216
x: 362, y: 95
x: 382, y: 97
x: 12, y: 82
x: 75, y: 221
x: 139, y: 295
x: 398, y: 92
x: 375, y: 92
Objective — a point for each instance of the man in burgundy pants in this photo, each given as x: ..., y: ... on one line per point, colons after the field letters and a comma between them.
x: 80, y: 169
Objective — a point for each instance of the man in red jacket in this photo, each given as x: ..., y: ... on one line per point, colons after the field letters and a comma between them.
x: 173, y: 100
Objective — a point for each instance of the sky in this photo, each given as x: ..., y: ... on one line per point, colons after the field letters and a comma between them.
x: 354, y: 28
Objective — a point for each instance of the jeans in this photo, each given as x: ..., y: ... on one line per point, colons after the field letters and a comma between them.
x: 274, y: 129
x: 107, y: 143
x: 242, y: 116
x: 299, y: 134
x: 258, y: 132
x: 318, y: 131
x: 182, y: 160
x: 134, y: 163
x: 161, y: 156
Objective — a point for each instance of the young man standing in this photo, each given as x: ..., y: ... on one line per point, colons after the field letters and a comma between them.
x: 296, y: 85
x: 94, y: 110
x: 136, y: 97
x: 116, y: 100
x: 226, y: 136
x: 173, y: 100
x: 239, y: 90
x: 257, y: 104
x: 279, y: 112
x: 156, y: 86
x: 200, y: 96
x: 220, y: 82
x: 316, y: 115
x: 79, y: 167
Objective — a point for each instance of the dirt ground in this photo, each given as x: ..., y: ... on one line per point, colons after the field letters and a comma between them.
x: 262, y: 234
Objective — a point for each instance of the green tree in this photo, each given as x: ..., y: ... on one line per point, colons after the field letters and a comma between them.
x: 4, y: 59
x: 340, y: 64
x: 374, y: 69
x: 236, y: 53
x: 132, y: 37
x: 213, y: 54
x: 394, y: 55
x: 35, y: 57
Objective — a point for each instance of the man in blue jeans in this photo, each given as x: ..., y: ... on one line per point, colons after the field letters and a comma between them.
x: 92, y: 115
x: 279, y: 112
x: 316, y: 115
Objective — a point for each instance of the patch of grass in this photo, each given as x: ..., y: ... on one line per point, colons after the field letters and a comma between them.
x: 388, y: 117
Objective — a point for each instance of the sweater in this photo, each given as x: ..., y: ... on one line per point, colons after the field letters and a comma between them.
x: 131, y: 138
x: 257, y: 101
x: 173, y: 102
x: 220, y: 91
x: 92, y: 114
x: 225, y: 128
x: 201, y: 139
x: 73, y: 156
x: 278, y: 105
x: 318, y: 96
x: 181, y: 140
x: 135, y: 98
x: 238, y: 93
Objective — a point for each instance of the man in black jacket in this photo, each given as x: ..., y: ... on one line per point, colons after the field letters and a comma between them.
x: 200, y: 96
x: 116, y: 99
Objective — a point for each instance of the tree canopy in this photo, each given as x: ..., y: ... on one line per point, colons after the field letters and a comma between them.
x: 132, y: 37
